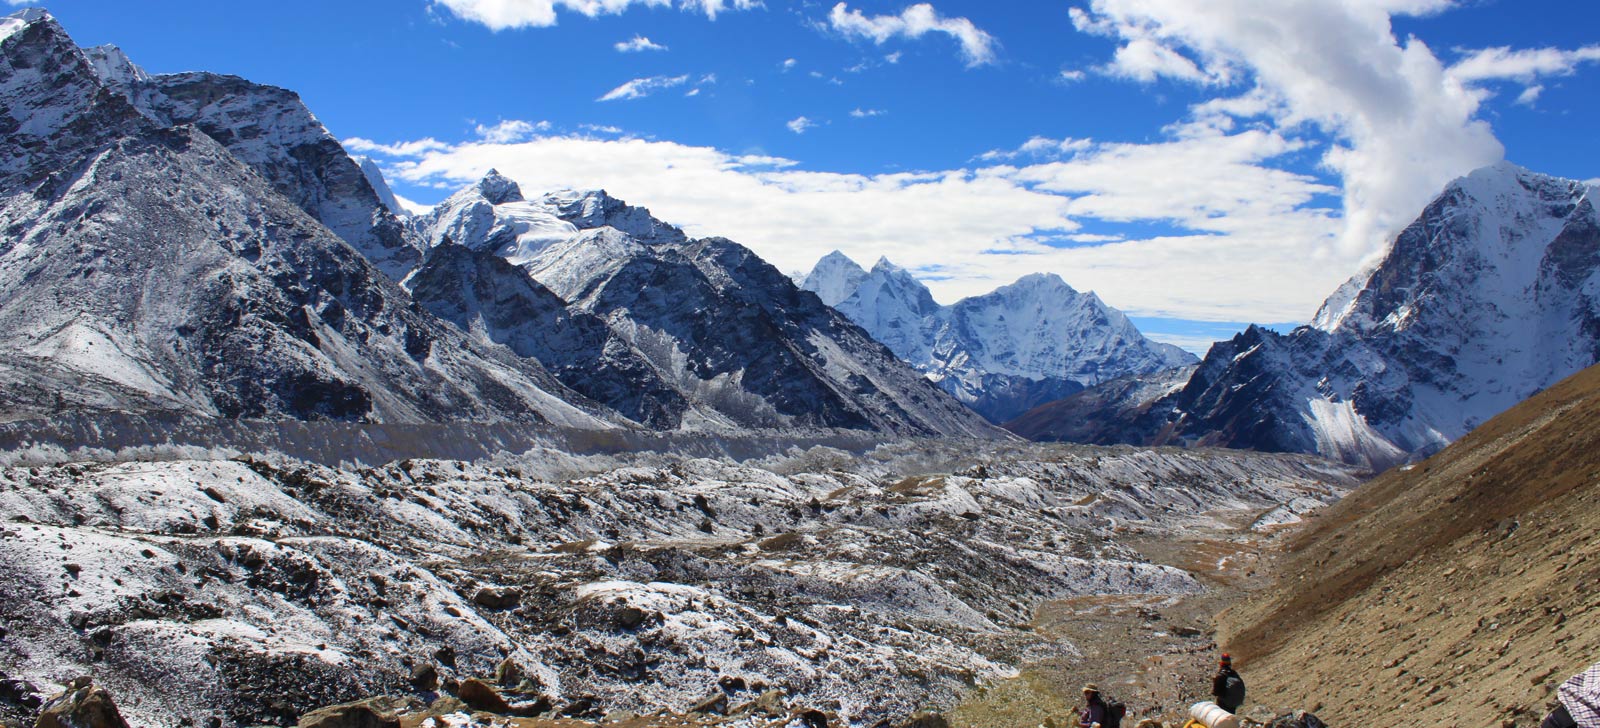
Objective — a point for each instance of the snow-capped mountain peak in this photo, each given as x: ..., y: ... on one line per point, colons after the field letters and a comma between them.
x: 493, y: 215
x: 1490, y: 295
x: 834, y: 278
x: 381, y: 186
x: 590, y: 209
x: 11, y: 24
x: 1024, y: 344
x: 114, y: 67
x: 497, y: 188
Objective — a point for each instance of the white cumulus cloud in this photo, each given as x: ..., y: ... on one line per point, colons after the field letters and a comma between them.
x: 977, y: 46
x: 509, y: 14
x: 1226, y: 214
x: 511, y: 130
x: 1403, y: 124
x: 800, y: 125
x: 638, y: 44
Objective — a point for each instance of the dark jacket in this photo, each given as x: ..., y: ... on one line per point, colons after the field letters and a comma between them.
x: 1228, y: 688
x: 1559, y: 718
x: 1094, y: 712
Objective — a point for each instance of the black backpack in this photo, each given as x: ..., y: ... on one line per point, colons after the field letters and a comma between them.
x: 1115, y: 711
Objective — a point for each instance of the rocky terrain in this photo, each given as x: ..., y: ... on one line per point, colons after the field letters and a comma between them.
x: 1458, y: 591
x: 867, y: 587
x: 1487, y: 298
x: 1002, y: 353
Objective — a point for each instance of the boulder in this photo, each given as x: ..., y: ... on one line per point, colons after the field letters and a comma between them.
x: 714, y: 703
x: 482, y: 696
x: 497, y: 597
x: 926, y: 719
x: 83, y: 705
x: 379, y: 712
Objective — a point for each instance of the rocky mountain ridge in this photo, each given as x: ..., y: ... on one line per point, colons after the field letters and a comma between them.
x: 720, y: 338
x: 198, y: 243
x: 1002, y: 353
x: 1488, y: 297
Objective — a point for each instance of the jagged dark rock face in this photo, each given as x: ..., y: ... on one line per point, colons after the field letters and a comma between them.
x: 1492, y: 294
x: 735, y: 339
x: 483, y: 294
x: 145, y: 268
x: 54, y: 105
x: 167, y: 268
x: 271, y: 130
x: 1082, y: 417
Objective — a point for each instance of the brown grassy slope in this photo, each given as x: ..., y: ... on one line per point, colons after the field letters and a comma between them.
x: 1465, y: 588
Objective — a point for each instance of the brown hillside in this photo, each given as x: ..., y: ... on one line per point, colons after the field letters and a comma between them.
x: 1465, y: 588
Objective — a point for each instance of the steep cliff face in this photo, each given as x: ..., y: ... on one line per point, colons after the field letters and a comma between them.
x: 498, y: 302
x: 271, y: 130
x: 147, y: 268
x: 1492, y: 294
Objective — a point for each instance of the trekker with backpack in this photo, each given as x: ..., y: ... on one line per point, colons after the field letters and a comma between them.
x: 1098, y: 712
x: 1579, y: 701
x: 1227, y: 687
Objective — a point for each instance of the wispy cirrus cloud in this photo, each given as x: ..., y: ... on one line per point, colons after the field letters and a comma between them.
x: 1524, y: 65
x: 642, y: 87
x: 416, y: 148
x: 977, y: 46
x: 512, y: 14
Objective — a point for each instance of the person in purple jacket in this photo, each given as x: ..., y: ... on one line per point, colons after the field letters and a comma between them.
x: 1094, y: 709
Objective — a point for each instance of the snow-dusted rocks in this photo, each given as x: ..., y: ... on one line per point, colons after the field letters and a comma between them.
x: 1492, y: 294
x: 869, y: 587
x: 1031, y: 342
x: 190, y: 286
x: 497, y: 302
x: 271, y: 130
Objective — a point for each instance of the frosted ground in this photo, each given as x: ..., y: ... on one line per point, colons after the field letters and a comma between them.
x: 866, y: 585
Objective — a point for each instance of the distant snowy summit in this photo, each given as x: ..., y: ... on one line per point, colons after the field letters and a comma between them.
x: 1002, y: 353
x: 199, y: 245
x: 1490, y: 296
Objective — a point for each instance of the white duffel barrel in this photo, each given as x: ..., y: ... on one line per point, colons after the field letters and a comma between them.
x: 1213, y: 716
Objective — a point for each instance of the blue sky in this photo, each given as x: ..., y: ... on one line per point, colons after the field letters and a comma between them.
x: 1195, y: 169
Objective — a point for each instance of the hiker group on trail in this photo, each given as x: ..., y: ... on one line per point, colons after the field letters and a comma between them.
x: 1100, y: 712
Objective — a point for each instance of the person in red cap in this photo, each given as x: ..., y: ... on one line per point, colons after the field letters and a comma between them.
x: 1227, y: 687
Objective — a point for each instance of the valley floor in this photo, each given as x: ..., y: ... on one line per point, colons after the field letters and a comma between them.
x: 867, y: 587
x: 1156, y: 654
